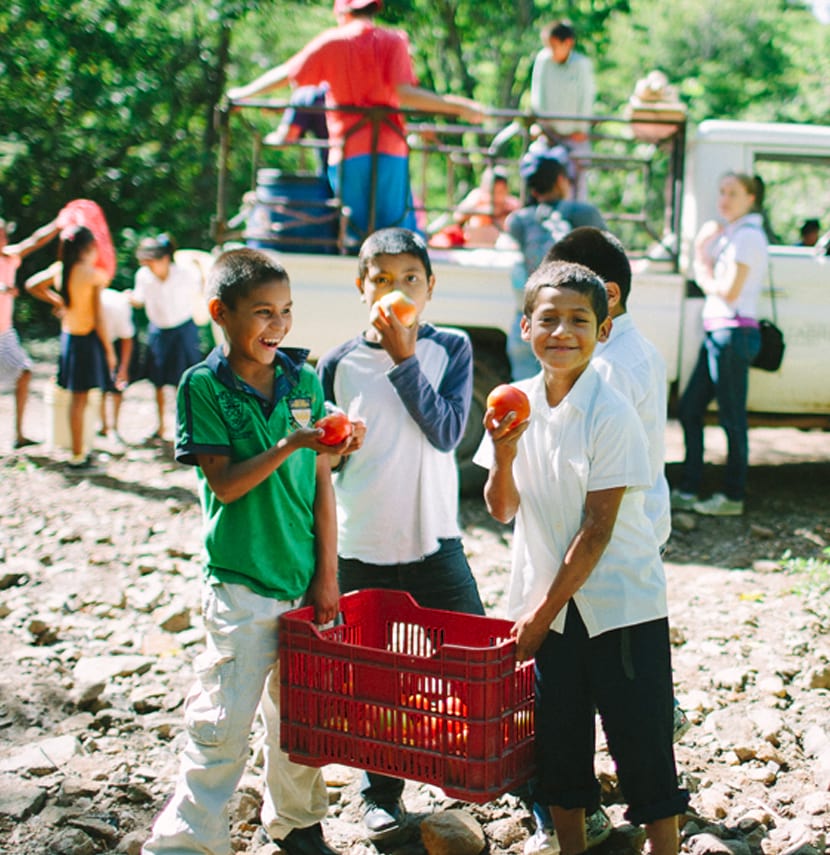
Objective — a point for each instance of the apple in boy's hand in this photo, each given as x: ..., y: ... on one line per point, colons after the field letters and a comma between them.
x: 398, y: 303
x: 336, y: 428
x: 505, y: 399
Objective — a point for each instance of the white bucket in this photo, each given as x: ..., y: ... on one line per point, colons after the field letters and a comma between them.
x: 58, y: 435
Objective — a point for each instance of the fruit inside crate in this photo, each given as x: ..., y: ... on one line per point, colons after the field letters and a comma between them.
x: 424, y: 694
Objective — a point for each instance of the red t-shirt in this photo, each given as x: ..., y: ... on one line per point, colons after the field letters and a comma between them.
x: 363, y: 65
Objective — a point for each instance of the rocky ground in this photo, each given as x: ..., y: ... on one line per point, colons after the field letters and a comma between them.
x: 99, y: 622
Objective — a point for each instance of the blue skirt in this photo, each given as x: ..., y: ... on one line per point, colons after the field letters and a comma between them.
x: 171, y: 352
x: 82, y: 364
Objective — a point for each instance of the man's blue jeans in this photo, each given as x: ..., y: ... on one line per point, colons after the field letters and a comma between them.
x: 393, y: 196
x: 722, y: 373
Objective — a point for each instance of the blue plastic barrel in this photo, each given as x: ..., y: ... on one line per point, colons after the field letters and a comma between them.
x: 291, y: 213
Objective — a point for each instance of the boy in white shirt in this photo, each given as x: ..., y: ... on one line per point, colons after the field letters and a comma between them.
x: 635, y: 368
x: 587, y: 590
x: 627, y: 360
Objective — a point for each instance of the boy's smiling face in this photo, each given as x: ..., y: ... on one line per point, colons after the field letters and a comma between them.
x: 563, y: 330
x: 255, y: 327
x: 403, y: 272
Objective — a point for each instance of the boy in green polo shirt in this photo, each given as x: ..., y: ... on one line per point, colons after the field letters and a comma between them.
x: 244, y: 418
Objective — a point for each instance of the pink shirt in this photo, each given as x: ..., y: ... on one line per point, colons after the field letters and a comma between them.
x: 8, y: 266
x: 363, y: 65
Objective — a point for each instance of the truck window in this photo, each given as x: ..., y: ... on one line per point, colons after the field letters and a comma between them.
x: 797, y: 189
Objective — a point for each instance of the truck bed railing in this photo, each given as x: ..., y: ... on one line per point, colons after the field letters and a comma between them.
x: 635, y: 174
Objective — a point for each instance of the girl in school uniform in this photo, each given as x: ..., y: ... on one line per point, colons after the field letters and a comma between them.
x: 87, y: 359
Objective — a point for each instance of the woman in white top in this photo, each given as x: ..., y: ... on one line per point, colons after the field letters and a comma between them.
x: 168, y: 294
x: 731, y: 267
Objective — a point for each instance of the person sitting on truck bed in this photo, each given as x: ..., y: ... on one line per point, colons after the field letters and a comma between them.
x: 490, y: 202
x: 365, y: 66
x: 810, y: 230
x: 298, y: 120
x: 480, y: 217
x: 536, y: 227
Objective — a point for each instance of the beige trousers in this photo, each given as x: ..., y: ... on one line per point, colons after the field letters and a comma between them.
x: 237, y: 673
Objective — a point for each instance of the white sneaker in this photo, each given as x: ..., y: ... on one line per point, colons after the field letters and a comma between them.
x: 718, y: 505
x: 681, y: 501
x: 542, y: 842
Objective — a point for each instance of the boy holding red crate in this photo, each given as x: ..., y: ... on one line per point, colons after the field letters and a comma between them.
x: 397, y: 500
x: 244, y: 419
x: 588, y: 591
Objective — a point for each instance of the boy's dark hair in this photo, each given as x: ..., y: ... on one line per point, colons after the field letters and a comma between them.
x: 541, y: 171
x: 573, y: 277
x: 394, y: 241
x: 237, y: 272
x: 73, y: 242
x: 559, y: 30
x: 598, y: 250
x: 152, y: 248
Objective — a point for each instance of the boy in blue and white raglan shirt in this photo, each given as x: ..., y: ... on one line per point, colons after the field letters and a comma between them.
x: 397, y: 499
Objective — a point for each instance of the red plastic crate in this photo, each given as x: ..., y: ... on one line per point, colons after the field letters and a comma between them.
x: 423, y: 694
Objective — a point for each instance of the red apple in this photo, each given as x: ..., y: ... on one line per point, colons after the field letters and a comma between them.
x: 403, y: 307
x: 506, y: 398
x: 336, y: 428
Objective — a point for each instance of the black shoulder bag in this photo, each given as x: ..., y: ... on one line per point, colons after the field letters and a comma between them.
x: 771, y: 354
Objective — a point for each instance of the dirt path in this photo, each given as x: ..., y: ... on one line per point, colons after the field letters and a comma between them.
x: 107, y: 565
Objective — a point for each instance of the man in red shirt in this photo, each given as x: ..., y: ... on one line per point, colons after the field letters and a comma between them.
x: 365, y: 66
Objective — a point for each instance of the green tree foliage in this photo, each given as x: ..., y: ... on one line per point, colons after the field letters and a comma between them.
x: 114, y: 99
x: 765, y: 60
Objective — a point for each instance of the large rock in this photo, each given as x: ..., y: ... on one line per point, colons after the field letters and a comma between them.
x: 452, y: 832
x: 72, y: 841
x: 19, y: 799
x: 768, y: 723
x: 96, y: 669
x: 730, y: 726
x: 175, y: 618
x: 41, y: 758
x: 820, y: 677
x: 710, y: 844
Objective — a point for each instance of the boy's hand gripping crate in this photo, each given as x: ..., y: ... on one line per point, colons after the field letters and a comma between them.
x: 424, y: 694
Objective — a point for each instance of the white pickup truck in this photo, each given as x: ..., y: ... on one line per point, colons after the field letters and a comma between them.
x: 660, y: 192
